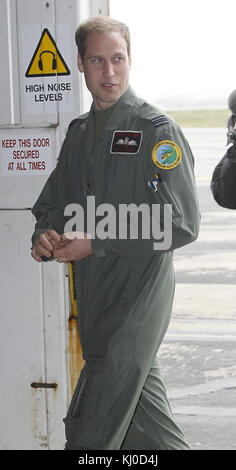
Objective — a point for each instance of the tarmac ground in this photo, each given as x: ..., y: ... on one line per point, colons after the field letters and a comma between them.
x: 198, y: 354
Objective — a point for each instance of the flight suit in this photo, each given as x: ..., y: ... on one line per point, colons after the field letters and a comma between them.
x: 125, y: 289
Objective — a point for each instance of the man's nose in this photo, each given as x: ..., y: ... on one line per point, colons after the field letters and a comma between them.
x: 108, y: 69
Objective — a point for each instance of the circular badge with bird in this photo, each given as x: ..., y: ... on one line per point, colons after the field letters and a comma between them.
x: 166, y: 154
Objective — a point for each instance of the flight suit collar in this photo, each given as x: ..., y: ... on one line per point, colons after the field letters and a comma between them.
x: 120, y: 110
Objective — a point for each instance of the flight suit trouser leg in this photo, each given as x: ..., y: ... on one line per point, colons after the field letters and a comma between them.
x: 122, y: 382
x: 153, y: 426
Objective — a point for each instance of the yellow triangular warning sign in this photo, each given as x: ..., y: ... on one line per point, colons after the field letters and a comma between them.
x: 47, y: 60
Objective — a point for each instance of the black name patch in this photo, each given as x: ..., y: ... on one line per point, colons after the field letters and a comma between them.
x: 128, y: 142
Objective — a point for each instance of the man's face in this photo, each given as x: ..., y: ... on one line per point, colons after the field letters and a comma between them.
x: 106, y: 67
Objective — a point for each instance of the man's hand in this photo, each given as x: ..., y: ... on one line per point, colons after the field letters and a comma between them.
x: 45, y: 243
x: 73, y: 246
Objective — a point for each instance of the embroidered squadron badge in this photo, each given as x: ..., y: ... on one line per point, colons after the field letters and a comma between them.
x: 126, y: 142
x: 166, y: 154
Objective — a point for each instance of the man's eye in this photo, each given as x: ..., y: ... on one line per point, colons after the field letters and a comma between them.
x: 96, y: 60
x: 118, y: 59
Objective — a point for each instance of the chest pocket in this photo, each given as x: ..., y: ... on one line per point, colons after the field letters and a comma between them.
x: 126, y: 179
x: 118, y: 158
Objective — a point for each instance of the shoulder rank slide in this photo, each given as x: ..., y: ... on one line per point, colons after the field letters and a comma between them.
x: 160, y: 120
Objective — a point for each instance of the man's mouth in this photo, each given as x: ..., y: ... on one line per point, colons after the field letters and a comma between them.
x: 109, y: 85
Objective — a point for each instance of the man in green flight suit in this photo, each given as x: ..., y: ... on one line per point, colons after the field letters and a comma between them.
x: 123, y: 152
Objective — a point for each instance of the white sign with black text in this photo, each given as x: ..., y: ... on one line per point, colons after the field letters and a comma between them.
x: 46, y: 68
x: 24, y: 154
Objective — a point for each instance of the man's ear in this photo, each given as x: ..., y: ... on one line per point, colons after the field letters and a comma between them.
x: 80, y: 63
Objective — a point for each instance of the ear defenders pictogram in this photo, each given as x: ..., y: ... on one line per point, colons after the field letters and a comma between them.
x: 54, y: 60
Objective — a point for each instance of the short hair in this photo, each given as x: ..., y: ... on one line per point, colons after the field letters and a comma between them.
x: 100, y: 24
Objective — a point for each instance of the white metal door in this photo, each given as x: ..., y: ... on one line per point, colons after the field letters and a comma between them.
x: 22, y: 346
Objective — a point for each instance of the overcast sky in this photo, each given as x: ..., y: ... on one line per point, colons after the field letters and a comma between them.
x: 181, y: 47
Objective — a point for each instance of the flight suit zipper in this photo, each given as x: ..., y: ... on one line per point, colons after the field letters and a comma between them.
x: 90, y: 185
x: 111, y: 177
x: 89, y: 192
